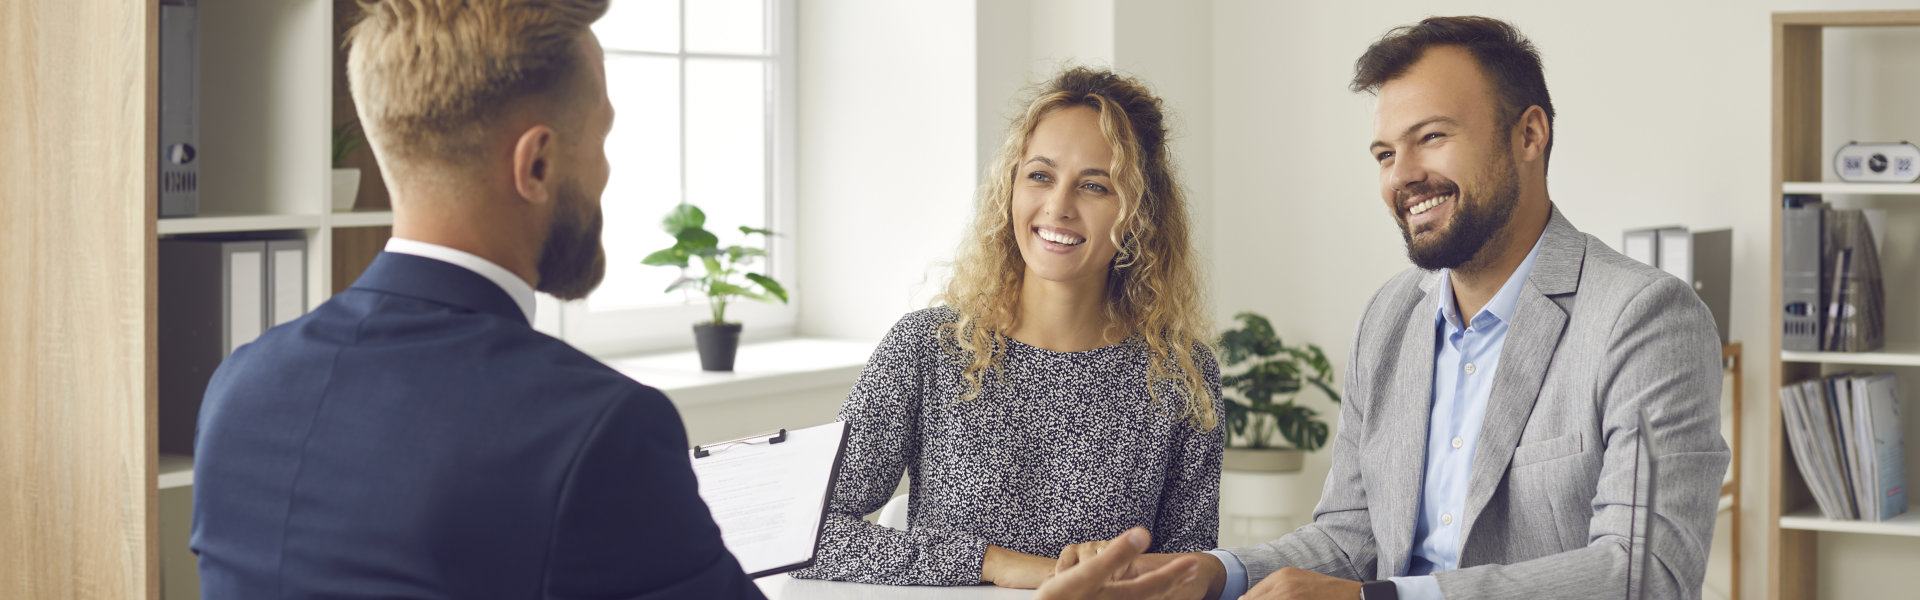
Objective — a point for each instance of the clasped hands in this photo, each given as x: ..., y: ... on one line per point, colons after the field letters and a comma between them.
x: 1116, y: 569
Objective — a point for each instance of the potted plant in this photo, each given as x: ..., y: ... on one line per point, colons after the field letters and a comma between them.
x: 1262, y: 493
x: 1262, y: 376
x: 717, y: 340
x: 347, y: 139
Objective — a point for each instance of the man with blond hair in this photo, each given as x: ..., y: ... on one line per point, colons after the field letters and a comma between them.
x: 414, y: 437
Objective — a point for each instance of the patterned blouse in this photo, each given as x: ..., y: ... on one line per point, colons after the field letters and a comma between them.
x: 1068, y: 448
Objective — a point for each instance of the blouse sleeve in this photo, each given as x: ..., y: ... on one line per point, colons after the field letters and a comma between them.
x: 882, y: 416
x: 1189, y: 515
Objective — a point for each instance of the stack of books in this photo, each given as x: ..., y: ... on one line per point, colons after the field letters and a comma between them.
x: 1846, y: 437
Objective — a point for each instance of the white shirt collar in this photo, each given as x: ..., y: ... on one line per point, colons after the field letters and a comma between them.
x: 513, y: 285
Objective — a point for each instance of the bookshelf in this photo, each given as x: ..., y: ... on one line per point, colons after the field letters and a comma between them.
x: 1810, y: 519
x: 1800, y: 542
x: 89, y: 507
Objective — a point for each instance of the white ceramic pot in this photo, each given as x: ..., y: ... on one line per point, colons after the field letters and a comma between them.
x: 1261, y: 495
x: 346, y: 188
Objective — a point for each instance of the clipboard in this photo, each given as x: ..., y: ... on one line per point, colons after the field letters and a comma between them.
x: 769, y: 493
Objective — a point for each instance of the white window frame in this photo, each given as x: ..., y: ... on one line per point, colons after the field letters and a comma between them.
x: 664, y: 328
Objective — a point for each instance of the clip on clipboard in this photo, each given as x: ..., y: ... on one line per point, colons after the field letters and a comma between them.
x: 768, y: 493
x: 709, y: 449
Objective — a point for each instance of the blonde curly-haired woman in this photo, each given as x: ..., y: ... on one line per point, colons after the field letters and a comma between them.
x: 1062, y: 390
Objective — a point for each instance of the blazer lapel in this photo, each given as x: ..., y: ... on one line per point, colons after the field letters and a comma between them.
x: 1531, y: 341
x: 1405, y: 412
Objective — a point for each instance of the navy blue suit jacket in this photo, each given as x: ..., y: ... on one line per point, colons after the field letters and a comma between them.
x: 414, y: 437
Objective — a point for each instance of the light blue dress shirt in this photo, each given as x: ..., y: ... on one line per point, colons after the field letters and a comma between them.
x: 1466, y: 355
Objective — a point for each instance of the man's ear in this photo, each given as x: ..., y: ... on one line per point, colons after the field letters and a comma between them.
x: 1533, y: 133
x: 533, y: 162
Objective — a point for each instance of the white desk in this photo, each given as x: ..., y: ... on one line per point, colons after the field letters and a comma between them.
x: 782, y: 587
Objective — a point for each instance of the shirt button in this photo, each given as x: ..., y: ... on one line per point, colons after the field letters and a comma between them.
x: 1446, y: 519
x: 1457, y: 442
x: 1469, y: 368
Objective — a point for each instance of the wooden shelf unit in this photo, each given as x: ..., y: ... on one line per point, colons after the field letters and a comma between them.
x: 1800, y: 161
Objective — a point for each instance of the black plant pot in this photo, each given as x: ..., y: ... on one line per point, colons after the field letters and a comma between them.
x: 717, y: 344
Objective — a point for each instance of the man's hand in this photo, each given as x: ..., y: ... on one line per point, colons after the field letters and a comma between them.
x: 1112, y: 574
x: 1291, y: 583
x: 1211, y: 574
x: 1010, y: 569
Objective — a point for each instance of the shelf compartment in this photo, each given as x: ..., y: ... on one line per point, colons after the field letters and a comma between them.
x: 1894, y: 355
x: 229, y: 222
x: 1810, y: 519
x: 1844, y: 188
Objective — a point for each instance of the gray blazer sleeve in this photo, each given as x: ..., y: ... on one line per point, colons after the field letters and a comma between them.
x: 1662, y: 354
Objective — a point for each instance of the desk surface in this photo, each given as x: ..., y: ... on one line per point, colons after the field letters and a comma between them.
x: 782, y: 587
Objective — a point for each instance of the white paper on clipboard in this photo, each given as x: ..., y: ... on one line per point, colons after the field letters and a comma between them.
x: 769, y: 493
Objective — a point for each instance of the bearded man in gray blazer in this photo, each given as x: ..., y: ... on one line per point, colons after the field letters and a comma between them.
x: 1495, y: 456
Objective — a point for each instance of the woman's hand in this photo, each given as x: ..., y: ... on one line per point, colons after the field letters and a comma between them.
x: 1009, y: 569
x: 1079, y: 553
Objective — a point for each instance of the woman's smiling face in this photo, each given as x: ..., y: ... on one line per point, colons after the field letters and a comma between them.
x: 1065, y: 205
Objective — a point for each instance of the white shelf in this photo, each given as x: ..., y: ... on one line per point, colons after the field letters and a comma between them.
x: 176, y: 470
x: 1837, y: 187
x: 764, y: 368
x: 1907, y: 524
x: 364, y: 218
x: 1893, y: 355
x: 221, y: 223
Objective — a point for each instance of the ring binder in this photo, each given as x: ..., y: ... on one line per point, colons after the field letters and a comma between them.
x: 709, y: 449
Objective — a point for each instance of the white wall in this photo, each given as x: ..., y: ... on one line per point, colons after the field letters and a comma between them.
x: 1664, y: 117
x: 886, y: 166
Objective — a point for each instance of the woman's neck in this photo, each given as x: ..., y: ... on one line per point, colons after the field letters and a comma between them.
x: 1064, y: 316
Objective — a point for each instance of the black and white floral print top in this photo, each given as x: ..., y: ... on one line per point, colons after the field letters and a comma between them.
x: 1069, y: 447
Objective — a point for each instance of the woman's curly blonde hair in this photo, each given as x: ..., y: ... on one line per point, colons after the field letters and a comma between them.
x: 1153, y: 286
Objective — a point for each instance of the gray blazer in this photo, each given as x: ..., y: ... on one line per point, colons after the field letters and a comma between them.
x: 1596, y: 336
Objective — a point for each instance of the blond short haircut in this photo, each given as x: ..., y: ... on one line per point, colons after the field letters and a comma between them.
x: 427, y: 73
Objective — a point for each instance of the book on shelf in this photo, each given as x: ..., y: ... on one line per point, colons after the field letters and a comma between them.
x: 1846, y: 436
x: 1856, y: 319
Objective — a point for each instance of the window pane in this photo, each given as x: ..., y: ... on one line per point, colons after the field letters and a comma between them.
x: 727, y: 145
x: 644, y: 154
x: 727, y: 26
x: 645, y: 25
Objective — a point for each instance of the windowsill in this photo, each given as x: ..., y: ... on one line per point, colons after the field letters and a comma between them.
x: 765, y: 368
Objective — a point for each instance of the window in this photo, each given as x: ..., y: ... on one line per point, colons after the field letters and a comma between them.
x: 702, y: 94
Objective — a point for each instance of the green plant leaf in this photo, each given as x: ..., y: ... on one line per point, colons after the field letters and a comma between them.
x: 722, y: 289
x: 772, y: 287
x: 1325, y: 388
x: 347, y: 139
x: 737, y: 253
x: 1298, y: 425
x: 684, y: 282
x: 1253, y: 338
x: 712, y: 264
x: 695, y: 238
x: 750, y: 231
x: 683, y: 217
x: 671, y: 257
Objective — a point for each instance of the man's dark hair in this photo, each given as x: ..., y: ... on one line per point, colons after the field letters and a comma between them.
x: 1510, y: 61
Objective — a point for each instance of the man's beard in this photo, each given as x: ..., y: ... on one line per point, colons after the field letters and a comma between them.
x: 1472, y: 224
x: 572, y: 262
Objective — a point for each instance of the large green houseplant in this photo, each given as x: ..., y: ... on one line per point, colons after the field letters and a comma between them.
x: 1262, y: 377
x: 717, y: 340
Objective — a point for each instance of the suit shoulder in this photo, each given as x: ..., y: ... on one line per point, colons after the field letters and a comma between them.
x: 1612, y: 268
x: 561, y: 362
